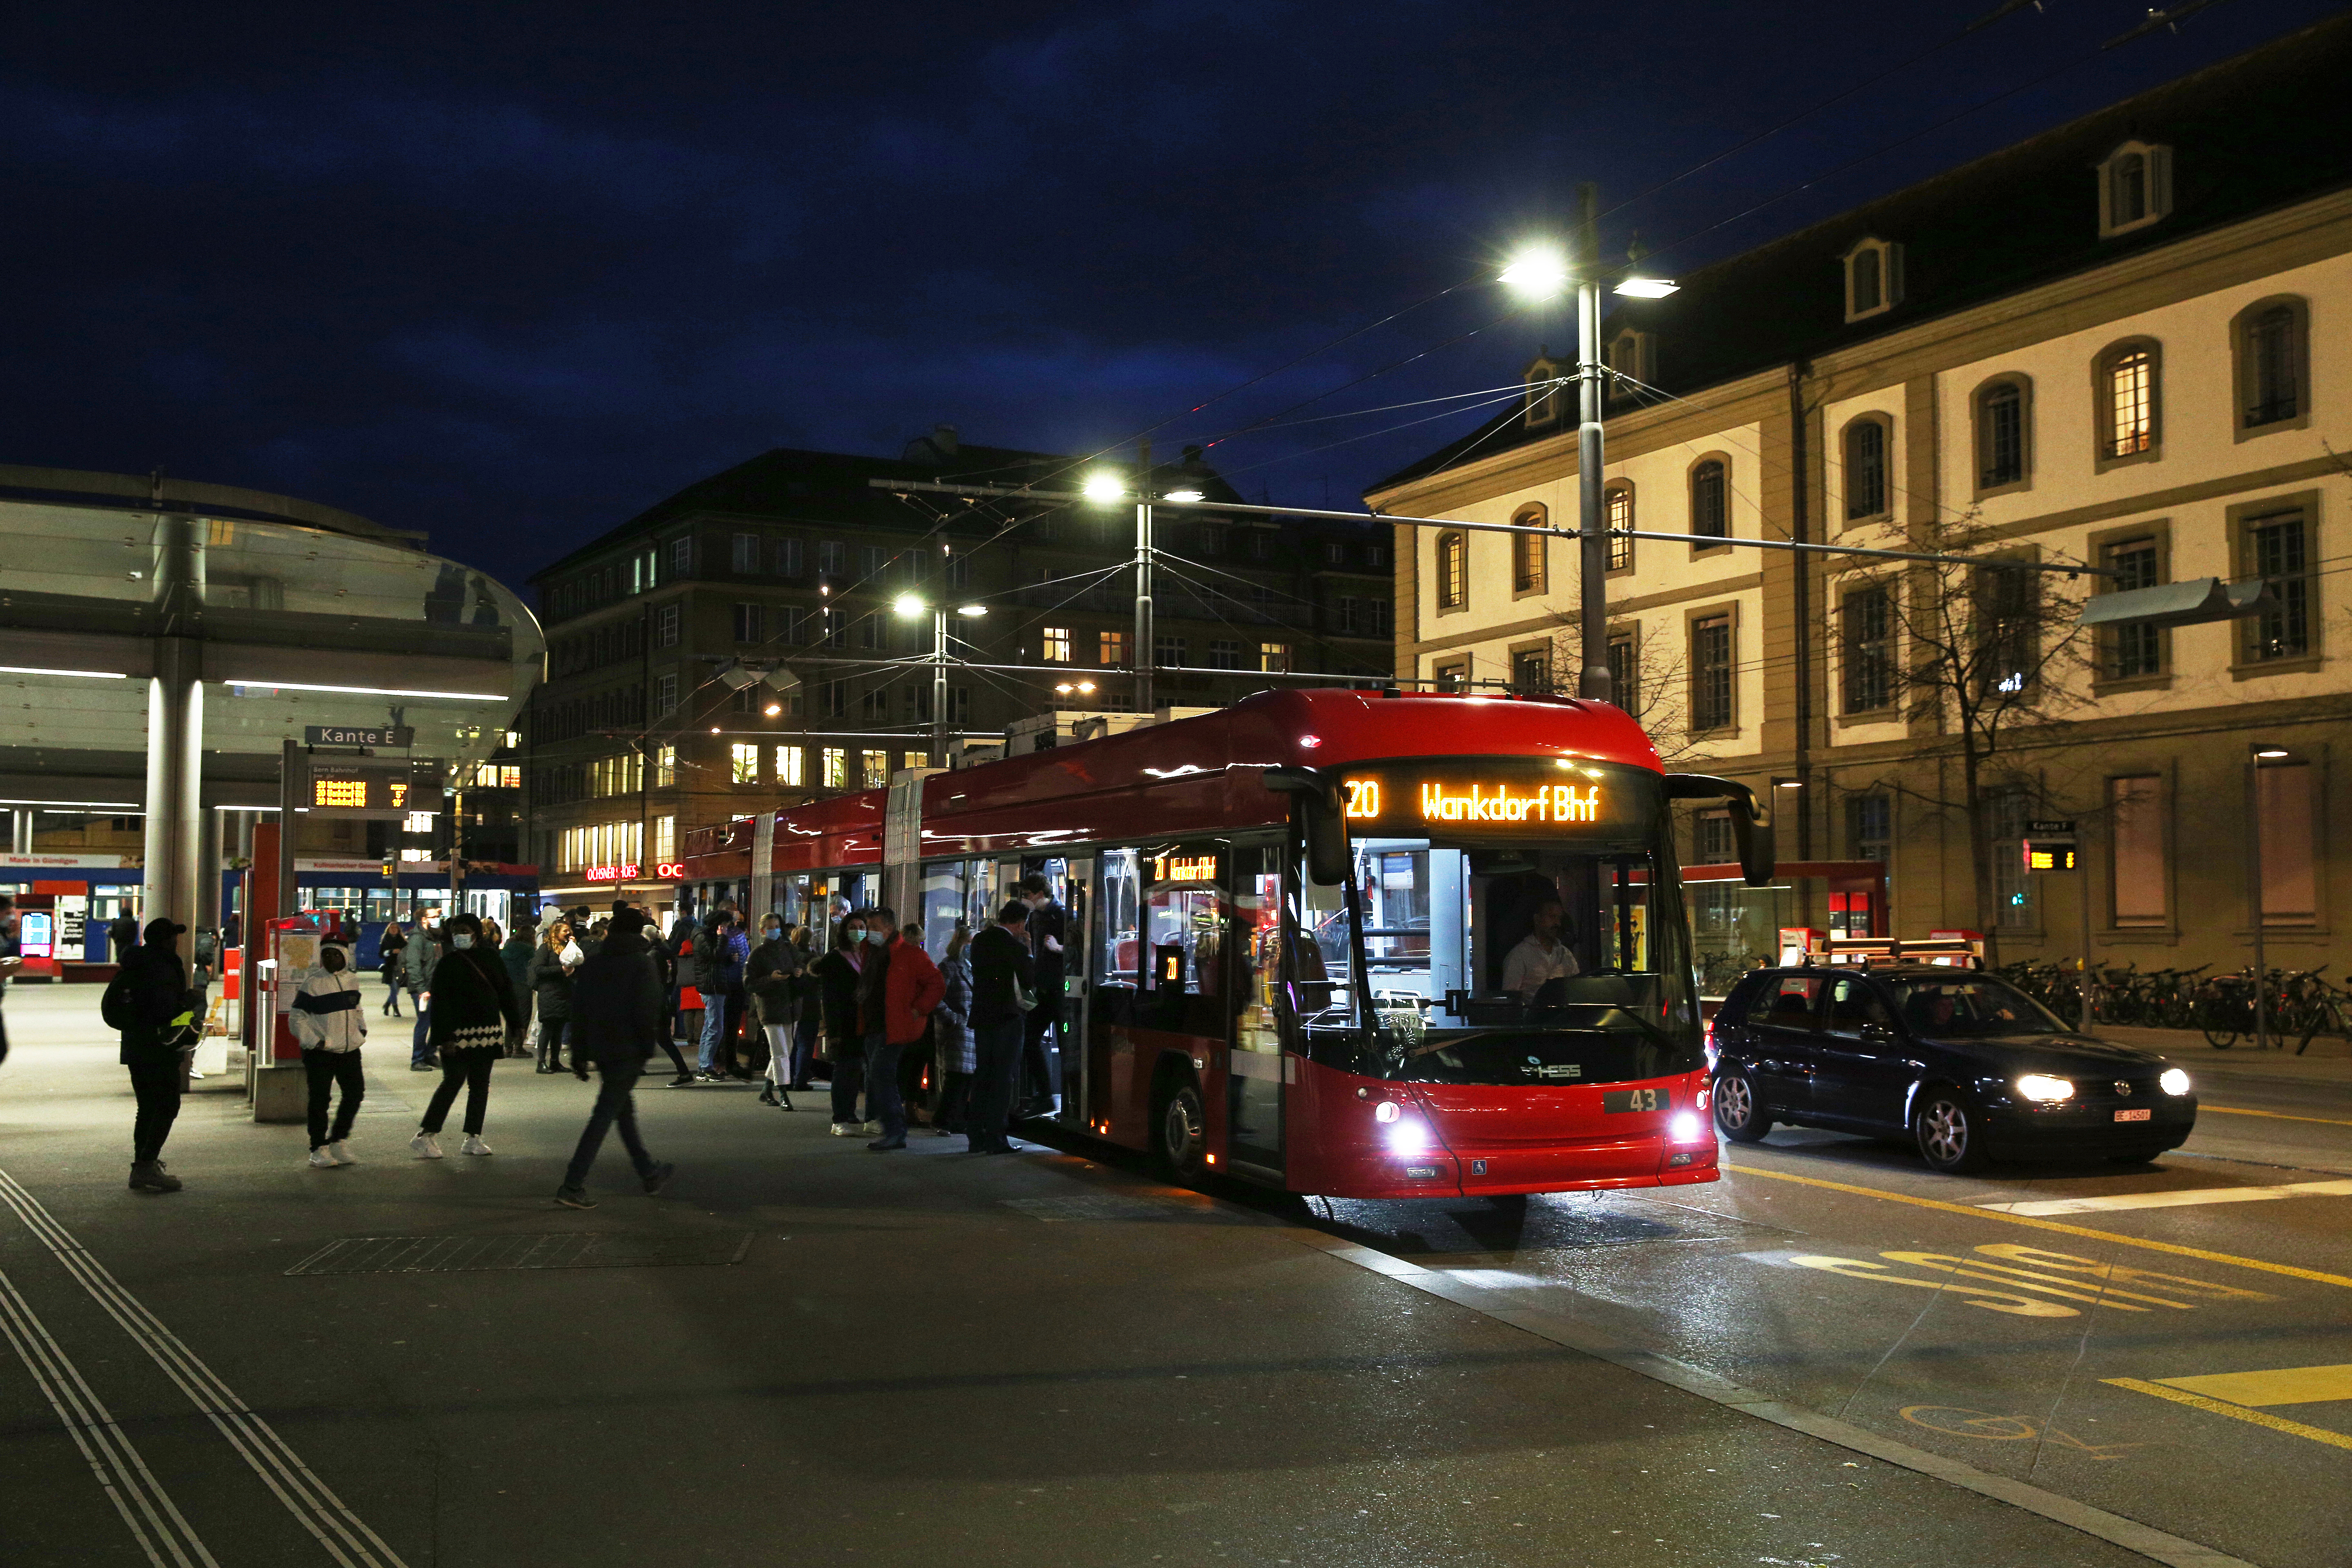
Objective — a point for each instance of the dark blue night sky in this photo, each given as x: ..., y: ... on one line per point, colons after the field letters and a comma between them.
x: 509, y: 273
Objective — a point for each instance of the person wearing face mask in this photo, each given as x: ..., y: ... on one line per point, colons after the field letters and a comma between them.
x: 898, y: 989
x: 837, y: 974
x: 769, y: 977
x: 330, y: 1023
x: 475, y: 1013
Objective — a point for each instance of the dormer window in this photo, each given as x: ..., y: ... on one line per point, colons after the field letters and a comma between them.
x: 1543, y: 381
x: 1873, y: 278
x: 2135, y: 188
x: 1632, y: 360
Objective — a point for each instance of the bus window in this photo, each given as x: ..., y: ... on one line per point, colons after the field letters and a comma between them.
x: 1181, y: 941
x: 1116, y: 959
x: 943, y: 903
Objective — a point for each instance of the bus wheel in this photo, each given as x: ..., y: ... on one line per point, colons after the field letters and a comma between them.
x: 1184, y: 1131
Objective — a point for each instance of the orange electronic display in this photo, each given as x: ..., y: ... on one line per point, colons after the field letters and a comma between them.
x: 1569, y: 795
x: 382, y: 788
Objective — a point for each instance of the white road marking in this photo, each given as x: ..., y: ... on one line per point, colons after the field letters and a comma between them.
x: 122, y: 1474
x: 2181, y: 1199
x: 332, y: 1524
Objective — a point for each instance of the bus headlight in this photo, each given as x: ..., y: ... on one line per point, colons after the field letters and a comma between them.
x: 2040, y: 1085
x: 2174, y: 1081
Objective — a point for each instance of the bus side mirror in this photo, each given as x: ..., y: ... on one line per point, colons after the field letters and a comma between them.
x: 1315, y: 811
x: 1751, y: 824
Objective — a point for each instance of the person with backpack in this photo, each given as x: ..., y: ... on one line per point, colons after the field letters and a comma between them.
x: 475, y: 1013
x: 149, y: 1004
x: 417, y: 962
x: 1003, y: 975
x: 389, y: 947
x: 330, y: 1023
x: 618, y: 993
x: 837, y: 974
x: 901, y: 986
x: 720, y: 955
x: 770, y: 976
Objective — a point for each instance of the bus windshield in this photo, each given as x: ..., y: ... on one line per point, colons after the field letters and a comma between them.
x: 1533, y: 952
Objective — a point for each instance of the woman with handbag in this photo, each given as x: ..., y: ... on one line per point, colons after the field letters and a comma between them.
x: 952, y: 1034
x: 475, y: 1012
x: 549, y: 973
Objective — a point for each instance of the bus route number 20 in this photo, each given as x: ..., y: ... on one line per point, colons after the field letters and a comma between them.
x: 1364, y: 799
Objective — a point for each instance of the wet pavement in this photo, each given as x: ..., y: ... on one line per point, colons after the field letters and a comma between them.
x: 807, y: 1352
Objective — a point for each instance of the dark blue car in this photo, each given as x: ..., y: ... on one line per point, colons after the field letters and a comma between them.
x: 1966, y: 1065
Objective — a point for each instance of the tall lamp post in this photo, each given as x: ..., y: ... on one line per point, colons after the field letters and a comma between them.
x: 911, y: 605
x: 1542, y: 272
x: 2257, y: 754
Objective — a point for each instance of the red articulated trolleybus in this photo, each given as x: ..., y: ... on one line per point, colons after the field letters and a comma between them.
x: 1296, y: 927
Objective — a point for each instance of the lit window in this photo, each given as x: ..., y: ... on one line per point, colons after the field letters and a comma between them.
x: 1452, y: 571
x: 1057, y: 644
x: 788, y: 766
x: 1617, y: 516
x: 743, y: 764
x: 1112, y: 649
x: 666, y: 767
x: 1527, y: 553
x: 837, y: 768
x: 1274, y: 658
x: 877, y: 768
x: 665, y: 838
x: 2131, y: 404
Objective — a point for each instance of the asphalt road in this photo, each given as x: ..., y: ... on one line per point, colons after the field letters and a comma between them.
x: 806, y: 1352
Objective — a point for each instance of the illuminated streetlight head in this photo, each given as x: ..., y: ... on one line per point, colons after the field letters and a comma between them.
x: 907, y: 605
x: 1104, y: 485
x: 971, y: 609
x: 1063, y: 689
x: 1648, y: 288
x: 1088, y: 687
x: 1538, y: 272
x: 773, y: 709
x: 1184, y: 495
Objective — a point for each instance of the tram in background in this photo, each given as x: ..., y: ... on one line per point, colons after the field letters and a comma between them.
x: 1289, y: 922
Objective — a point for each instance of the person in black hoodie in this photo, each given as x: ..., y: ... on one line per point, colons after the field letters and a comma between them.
x: 475, y: 1015
x: 150, y: 1004
x: 618, y: 1006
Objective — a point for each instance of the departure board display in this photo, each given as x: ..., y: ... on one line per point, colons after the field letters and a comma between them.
x: 373, y: 788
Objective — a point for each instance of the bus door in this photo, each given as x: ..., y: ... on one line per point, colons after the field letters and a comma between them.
x: 1255, y: 1062
x: 1077, y: 901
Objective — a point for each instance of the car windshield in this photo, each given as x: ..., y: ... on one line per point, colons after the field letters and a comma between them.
x: 1970, y: 1005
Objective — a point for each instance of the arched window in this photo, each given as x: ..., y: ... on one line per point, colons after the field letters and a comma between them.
x: 2124, y: 398
x: 1710, y: 513
x: 1452, y: 571
x: 1632, y: 359
x: 1543, y: 398
x: 1866, y: 469
x: 1528, y: 551
x: 2273, y: 390
x: 2002, y: 433
x: 1617, y: 517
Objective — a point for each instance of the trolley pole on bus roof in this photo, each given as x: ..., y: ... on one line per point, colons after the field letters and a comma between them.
x: 1144, y: 656
x: 1592, y: 547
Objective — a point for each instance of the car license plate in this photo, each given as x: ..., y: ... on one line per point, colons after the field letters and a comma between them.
x: 2140, y: 1115
x: 1615, y: 1099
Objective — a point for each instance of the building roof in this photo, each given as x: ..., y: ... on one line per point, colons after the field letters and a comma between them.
x: 2262, y: 131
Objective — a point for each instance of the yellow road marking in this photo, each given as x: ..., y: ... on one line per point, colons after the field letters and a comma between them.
x: 2235, y: 1412
x: 2178, y: 1250
x: 2276, y: 1115
x: 2281, y: 1385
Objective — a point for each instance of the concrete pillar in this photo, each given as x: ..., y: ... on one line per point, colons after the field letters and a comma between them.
x: 175, y: 726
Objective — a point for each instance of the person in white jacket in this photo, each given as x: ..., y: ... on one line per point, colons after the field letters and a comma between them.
x: 329, y: 1021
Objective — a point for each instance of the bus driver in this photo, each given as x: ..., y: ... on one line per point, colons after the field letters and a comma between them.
x: 1542, y: 956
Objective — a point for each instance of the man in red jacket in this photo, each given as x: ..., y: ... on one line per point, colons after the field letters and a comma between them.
x: 912, y: 985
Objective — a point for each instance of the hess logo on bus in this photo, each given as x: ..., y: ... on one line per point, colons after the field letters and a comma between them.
x: 1478, y: 801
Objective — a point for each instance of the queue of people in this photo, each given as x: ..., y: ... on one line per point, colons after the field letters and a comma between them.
x: 906, y: 1039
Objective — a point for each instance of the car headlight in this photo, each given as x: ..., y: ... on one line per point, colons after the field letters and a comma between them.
x: 2040, y: 1085
x: 2174, y: 1081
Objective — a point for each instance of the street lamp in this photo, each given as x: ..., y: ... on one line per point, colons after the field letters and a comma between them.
x: 2257, y: 754
x: 1103, y: 485
x: 1186, y: 495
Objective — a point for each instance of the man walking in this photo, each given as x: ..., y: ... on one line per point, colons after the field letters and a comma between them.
x: 618, y: 1018
x: 149, y: 1004
x: 1003, y: 974
x: 907, y: 986
x: 1049, y: 927
x: 417, y: 962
